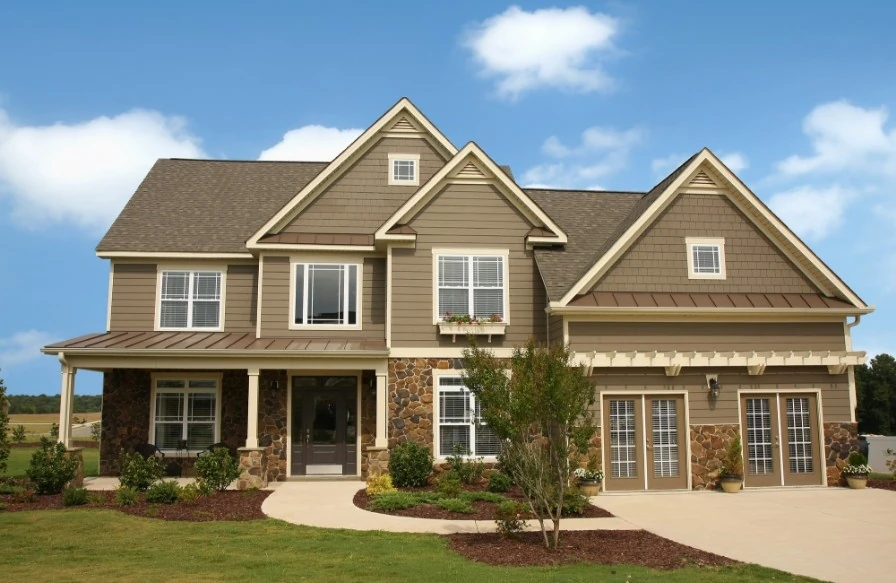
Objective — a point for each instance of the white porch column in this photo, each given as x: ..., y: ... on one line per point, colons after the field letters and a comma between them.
x: 382, y: 411
x: 252, y: 420
x: 67, y: 395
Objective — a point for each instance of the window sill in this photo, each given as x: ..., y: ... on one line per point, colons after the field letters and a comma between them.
x: 483, y: 329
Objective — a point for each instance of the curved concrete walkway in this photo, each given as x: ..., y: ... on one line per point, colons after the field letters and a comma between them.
x: 833, y: 534
x: 329, y: 505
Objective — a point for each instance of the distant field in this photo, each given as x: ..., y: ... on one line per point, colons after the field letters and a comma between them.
x: 20, y: 459
x: 37, y: 424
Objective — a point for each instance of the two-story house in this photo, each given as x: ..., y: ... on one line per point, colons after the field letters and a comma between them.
x: 311, y: 314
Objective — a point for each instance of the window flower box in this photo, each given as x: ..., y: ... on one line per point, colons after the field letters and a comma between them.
x: 455, y: 329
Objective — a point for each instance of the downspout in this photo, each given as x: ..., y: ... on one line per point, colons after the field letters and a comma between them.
x: 854, y: 323
x: 851, y: 371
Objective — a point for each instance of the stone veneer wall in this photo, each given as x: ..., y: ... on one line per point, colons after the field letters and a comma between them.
x: 273, y: 433
x: 411, y: 393
x: 126, y: 410
x: 708, y: 445
x: 373, y: 461
x: 840, y: 439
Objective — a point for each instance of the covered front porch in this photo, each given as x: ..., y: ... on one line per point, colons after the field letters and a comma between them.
x: 288, y: 409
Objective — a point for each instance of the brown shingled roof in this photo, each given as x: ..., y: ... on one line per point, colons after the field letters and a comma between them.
x: 210, y: 206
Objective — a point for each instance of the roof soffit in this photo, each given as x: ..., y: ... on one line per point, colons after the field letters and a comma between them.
x: 706, y: 174
x: 402, y: 119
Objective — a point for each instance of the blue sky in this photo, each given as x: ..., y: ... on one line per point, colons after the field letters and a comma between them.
x: 796, y: 98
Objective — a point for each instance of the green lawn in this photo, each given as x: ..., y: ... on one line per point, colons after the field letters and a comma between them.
x: 82, y: 544
x: 20, y: 458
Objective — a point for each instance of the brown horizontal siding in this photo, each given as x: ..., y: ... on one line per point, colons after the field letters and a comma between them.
x: 276, y: 300
x: 719, y: 336
x: 361, y: 199
x: 657, y: 261
x: 555, y: 329
x: 834, y: 388
x: 465, y: 216
x: 241, y: 301
x: 133, y: 297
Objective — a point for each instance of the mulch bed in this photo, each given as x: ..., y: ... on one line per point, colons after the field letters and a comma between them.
x: 882, y: 484
x: 481, y: 510
x: 603, y: 547
x: 231, y: 505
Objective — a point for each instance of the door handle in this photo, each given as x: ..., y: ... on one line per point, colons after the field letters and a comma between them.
x: 307, y: 436
x: 648, y: 444
x: 776, y: 441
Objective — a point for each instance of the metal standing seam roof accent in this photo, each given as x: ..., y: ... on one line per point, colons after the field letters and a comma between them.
x: 202, y: 341
x: 318, y: 239
x: 683, y: 300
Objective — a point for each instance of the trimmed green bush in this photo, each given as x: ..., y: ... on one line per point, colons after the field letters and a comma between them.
x: 498, y: 482
x: 449, y: 484
x: 50, y: 469
x: 190, y: 494
x: 163, y: 492
x: 217, y: 468
x: 455, y: 505
x: 410, y: 465
x: 574, y: 502
x: 138, y: 472
x: 392, y: 501
x: 75, y: 497
x: 509, y: 521
x: 126, y: 496
x: 379, y: 484
x: 467, y: 468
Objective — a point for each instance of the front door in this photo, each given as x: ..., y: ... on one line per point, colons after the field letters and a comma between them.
x: 644, y: 442
x: 324, y: 425
x: 780, y: 439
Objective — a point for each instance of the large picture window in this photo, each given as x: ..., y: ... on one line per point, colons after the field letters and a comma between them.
x: 185, y: 413
x: 471, y: 285
x: 326, y: 294
x: 460, y: 421
x: 190, y: 299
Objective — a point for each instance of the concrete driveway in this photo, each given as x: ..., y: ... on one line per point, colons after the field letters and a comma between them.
x: 833, y: 534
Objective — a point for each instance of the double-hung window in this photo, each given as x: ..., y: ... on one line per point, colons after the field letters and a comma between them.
x: 460, y: 421
x: 472, y: 285
x: 706, y: 258
x: 326, y: 294
x: 185, y: 413
x: 190, y: 299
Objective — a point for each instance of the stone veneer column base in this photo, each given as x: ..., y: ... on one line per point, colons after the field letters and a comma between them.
x: 708, y: 445
x: 253, y: 465
x: 377, y: 462
x: 76, y: 453
x: 840, y: 439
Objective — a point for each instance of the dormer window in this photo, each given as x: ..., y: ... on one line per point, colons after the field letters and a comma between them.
x: 404, y: 169
x: 706, y: 258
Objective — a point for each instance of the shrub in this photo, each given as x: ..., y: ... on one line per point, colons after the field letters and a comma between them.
x: 217, y: 468
x: 483, y: 496
x: 138, y: 472
x: 126, y: 496
x: 733, y: 462
x: 203, y: 487
x: 574, y: 502
x: 468, y: 469
x: 50, y: 469
x: 509, y: 521
x: 74, y: 497
x: 189, y: 494
x: 857, y: 458
x: 380, y: 484
x: 410, y: 465
x: 455, y: 505
x: 163, y: 492
x: 18, y: 433
x: 392, y: 501
x: 449, y: 484
x: 498, y: 482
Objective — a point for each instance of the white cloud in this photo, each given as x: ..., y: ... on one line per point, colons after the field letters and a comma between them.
x: 663, y: 166
x: 812, y: 213
x: 735, y: 161
x: 550, y: 47
x: 83, y: 173
x: 22, y: 347
x: 311, y: 143
x: 845, y: 138
x: 602, y: 152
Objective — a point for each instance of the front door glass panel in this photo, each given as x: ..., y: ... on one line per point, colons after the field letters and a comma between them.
x: 759, y: 437
x: 664, y: 416
x: 799, y: 435
x: 623, y: 442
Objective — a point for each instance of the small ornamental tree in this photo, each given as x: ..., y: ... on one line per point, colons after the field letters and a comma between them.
x: 4, y: 428
x: 540, y: 408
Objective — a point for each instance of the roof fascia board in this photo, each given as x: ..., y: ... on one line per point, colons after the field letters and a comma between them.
x: 518, y: 198
x: 170, y: 255
x: 309, y: 247
x: 360, y: 144
x: 595, y: 310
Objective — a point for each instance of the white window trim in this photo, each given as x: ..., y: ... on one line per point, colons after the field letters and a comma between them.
x: 470, y: 252
x: 690, y: 242
x: 415, y: 158
x: 324, y: 327
x: 222, y: 269
x: 441, y: 457
x: 186, y: 377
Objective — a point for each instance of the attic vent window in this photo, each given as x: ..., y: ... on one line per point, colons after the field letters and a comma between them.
x: 403, y: 169
x: 706, y: 258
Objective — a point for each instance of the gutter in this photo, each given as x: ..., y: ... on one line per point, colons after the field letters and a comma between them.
x: 632, y: 311
x: 210, y: 353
